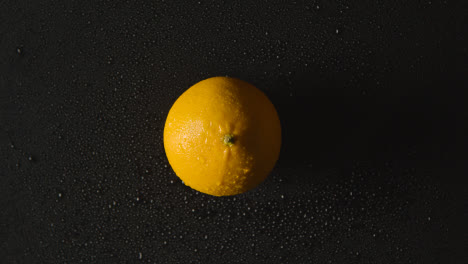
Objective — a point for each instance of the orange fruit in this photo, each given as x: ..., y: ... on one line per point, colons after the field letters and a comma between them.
x: 222, y: 136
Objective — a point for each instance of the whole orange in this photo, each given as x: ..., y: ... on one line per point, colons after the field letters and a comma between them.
x: 222, y: 136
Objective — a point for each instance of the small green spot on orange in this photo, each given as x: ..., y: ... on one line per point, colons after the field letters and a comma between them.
x: 228, y: 140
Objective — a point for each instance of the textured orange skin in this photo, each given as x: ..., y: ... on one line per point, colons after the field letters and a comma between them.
x: 199, y: 120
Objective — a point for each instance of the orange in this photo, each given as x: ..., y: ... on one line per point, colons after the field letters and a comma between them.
x: 222, y: 136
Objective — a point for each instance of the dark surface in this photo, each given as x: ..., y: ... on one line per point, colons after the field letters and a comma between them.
x: 368, y: 93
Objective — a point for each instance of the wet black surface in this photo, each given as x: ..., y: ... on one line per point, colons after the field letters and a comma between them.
x: 369, y: 96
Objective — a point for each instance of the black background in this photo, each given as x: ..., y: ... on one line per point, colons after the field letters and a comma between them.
x: 369, y: 93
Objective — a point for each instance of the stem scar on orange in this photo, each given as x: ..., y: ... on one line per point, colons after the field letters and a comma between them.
x: 222, y: 136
